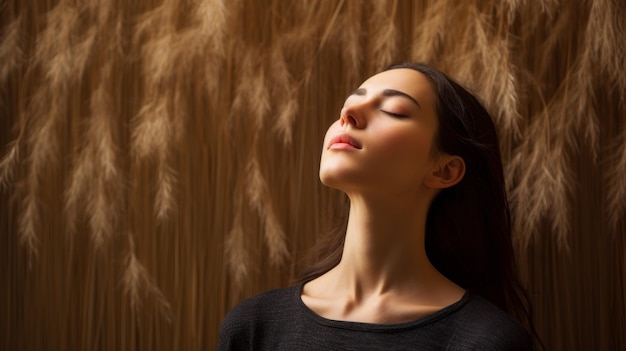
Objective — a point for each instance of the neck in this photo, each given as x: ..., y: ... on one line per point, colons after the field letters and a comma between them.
x: 384, y: 248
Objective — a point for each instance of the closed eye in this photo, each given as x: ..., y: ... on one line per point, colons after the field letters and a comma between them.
x: 396, y: 115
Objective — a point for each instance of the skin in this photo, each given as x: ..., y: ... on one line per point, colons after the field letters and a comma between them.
x: 391, y: 175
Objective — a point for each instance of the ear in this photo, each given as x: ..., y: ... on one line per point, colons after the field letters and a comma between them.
x: 447, y: 171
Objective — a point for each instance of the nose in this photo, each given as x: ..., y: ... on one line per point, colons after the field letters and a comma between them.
x: 353, y: 116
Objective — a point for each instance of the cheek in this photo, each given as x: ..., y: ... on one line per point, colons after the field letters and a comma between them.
x: 413, y: 144
x: 404, y: 159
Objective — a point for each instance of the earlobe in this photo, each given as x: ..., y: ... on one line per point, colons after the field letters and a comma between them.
x: 448, y: 171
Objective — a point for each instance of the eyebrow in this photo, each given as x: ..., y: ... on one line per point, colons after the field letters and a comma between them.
x: 388, y: 92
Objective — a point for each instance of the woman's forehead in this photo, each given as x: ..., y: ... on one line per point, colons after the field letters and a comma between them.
x: 406, y: 80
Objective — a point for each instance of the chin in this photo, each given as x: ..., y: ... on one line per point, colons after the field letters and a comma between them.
x: 329, y: 179
x: 326, y: 179
x: 337, y: 181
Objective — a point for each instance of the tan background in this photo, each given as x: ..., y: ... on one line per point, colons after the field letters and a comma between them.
x: 159, y: 158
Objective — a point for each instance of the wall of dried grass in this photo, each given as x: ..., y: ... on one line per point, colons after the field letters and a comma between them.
x: 159, y: 158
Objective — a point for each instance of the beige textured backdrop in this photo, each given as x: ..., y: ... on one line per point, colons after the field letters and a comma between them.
x: 159, y: 158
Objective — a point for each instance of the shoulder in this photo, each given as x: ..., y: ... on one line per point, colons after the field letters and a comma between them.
x: 265, y: 306
x: 479, y: 322
x: 266, y: 302
x: 258, y: 313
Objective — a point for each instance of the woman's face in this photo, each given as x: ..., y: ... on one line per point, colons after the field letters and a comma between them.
x: 382, y: 140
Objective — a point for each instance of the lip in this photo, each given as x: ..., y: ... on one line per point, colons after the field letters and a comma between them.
x: 344, y: 141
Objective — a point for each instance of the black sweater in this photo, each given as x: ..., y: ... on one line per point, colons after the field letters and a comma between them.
x: 279, y: 320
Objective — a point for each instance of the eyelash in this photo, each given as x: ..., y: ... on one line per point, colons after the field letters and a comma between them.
x: 396, y: 115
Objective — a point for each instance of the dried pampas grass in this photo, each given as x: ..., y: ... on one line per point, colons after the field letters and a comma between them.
x: 284, y: 93
x: 330, y: 25
x: 384, y: 42
x: 536, y: 6
x: 540, y: 171
x: 605, y: 38
x: 275, y: 237
x: 152, y: 127
x: 350, y: 37
x: 43, y: 141
x: 473, y: 46
x: 498, y: 86
x: 430, y: 34
x: 58, y: 51
x: 212, y: 17
x: 153, y: 136
x: 286, y: 116
x: 259, y: 198
x: 105, y: 203
x: 28, y: 223
x: 8, y: 164
x: 615, y: 179
x: 11, y: 52
x: 138, y: 285
x: 236, y: 254
x: 43, y: 146
x: 480, y: 59
x: 63, y: 59
x: 542, y: 161
x: 165, y: 201
x: 252, y: 97
x: 256, y: 187
x: 80, y: 177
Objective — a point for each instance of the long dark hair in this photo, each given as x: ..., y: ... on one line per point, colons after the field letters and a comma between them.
x: 468, y: 228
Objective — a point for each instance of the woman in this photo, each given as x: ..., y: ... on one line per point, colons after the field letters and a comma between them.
x: 425, y: 261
